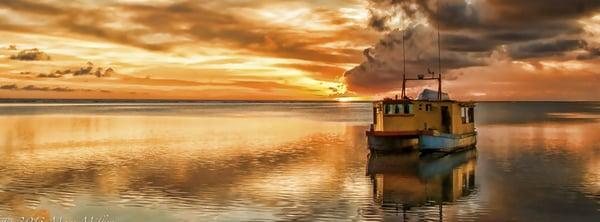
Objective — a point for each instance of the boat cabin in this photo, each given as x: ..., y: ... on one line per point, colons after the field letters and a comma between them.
x: 420, y: 116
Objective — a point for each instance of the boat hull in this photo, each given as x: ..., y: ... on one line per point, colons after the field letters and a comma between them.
x: 447, y: 142
x: 390, y: 143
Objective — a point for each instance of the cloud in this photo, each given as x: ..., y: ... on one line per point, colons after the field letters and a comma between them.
x: 592, y: 53
x: 35, y: 88
x: 32, y: 87
x: 186, y: 23
x: 466, y: 43
x: 87, y: 70
x: 517, y: 11
x: 471, y: 33
x: 384, y: 64
x: 46, y: 88
x: 9, y: 87
x: 379, y: 21
x: 30, y: 55
x: 29, y: 6
x: 545, y: 48
x: 490, y: 15
x: 321, y: 35
x: 314, y: 37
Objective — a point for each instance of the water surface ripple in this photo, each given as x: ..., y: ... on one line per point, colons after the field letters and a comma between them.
x: 291, y: 161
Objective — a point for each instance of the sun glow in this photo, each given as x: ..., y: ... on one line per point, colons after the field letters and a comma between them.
x: 345, y: 99
x: 352, y: 98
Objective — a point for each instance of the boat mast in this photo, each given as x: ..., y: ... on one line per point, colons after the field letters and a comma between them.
x: 421, y: 77
x: 439, y: 53
x: 403, y: 67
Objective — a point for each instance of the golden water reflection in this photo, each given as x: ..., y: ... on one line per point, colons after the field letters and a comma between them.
x: 283, y: 162
x: 60, y: 164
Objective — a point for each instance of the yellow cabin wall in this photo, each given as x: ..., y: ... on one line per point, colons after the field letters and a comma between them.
x: 414, y: 121
x: 420, y: 118
x: 379, y: 123
x: 458, y: 127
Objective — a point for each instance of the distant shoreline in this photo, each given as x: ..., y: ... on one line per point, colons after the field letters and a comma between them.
x: 8, y: 101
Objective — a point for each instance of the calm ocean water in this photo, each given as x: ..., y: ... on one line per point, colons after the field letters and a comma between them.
x: 535, y: 161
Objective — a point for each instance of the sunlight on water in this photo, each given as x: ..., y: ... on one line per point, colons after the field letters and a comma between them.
x: 289, y: 161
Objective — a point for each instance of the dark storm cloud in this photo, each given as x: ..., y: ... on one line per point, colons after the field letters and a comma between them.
x: 466, y: 43
x: 378, y: 21
x: 384, y: 65
x: 511, y: 36
x: 519, y: 10
x: 498, y: 22
x: 545, y: 48
x: 470, y: 32
x: 492, y: 14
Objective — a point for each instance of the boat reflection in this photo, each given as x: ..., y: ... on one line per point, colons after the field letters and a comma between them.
x: 407, y: 180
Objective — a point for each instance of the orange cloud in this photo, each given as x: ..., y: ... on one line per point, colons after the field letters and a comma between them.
x: 296, y: 49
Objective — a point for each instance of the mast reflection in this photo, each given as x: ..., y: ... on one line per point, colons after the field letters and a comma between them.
x: 408, y: 180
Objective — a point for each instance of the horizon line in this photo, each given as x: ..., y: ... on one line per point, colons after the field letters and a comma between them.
x: 75, y: 100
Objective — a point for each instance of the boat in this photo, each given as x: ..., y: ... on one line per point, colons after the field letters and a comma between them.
x: 424, y: 124
x: 430, y: 122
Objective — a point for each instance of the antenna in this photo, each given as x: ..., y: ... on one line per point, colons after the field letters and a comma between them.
x: 439, y: 53
x: 421, y: 76
x: 403, y: 67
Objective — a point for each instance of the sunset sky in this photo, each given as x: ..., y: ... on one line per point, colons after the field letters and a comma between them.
x: 292, y: 49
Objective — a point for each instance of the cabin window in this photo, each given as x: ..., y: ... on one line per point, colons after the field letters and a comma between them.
x: 467, y: 114
x: 390, y: 108
x: 408, y: 108
x: 471, y: 114
x: 427, y: 107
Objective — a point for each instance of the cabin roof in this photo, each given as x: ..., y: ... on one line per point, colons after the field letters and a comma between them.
x: 396, y: 101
